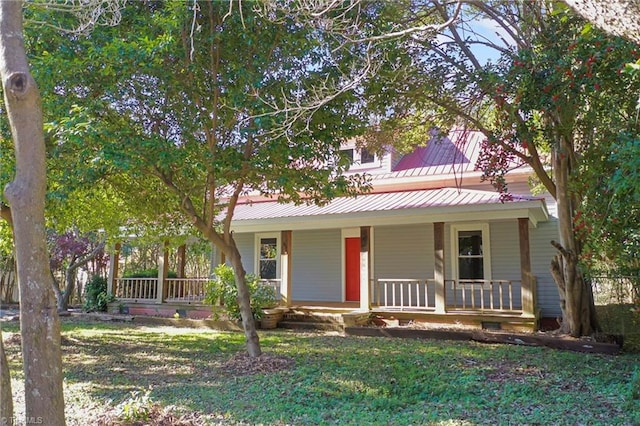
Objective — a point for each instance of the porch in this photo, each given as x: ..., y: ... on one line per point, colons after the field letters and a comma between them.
x: 500, y: 304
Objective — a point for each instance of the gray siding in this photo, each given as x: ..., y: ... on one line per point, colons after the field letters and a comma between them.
x: 403, y: 251
x: 541, y: 254
x: 505, y: 250
x: 246, y: 246
x: 317, y: 266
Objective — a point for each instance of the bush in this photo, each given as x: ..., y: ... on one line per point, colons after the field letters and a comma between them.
x: 148, y: 273
x: 223, y: 289
x: 97, y: 297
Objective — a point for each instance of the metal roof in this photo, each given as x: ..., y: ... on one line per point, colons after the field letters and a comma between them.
x: 378, y: 202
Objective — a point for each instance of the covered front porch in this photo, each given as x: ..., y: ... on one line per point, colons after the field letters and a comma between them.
x: 489, y: 303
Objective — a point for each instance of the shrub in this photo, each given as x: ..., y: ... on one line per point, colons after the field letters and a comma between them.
x: 137, y: 408
x: 96, y: 296
x: 223, y: 289
x: 148, y: 273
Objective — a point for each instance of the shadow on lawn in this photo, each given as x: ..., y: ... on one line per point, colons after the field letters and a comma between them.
x: 347, y: 380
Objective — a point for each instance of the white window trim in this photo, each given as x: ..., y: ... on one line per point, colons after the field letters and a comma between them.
x: 257, y: 239
x: 357, y: 158
x: 486, y: 247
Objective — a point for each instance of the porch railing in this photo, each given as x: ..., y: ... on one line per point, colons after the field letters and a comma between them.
x: 191, y: 290
x: 486, y: 295
x: 136, y: 288
x: 405, y: 294
x: 274, y: 284
x: 466, y: 295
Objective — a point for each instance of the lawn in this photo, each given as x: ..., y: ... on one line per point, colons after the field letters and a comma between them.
x: 322, y: 378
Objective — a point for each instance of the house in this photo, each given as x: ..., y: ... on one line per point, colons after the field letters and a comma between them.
x: 430, y: 242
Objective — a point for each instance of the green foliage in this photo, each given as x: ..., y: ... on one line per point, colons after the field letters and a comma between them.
x: 148, y: 273
x: 342, y: 380
x: 223, y: 289
x: 634, y: 385
x: 96, y: 296
x: 136, y: 408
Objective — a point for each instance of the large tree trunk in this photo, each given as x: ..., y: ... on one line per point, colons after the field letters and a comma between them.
x: 40, y: 326
x: 576, y: 295
x: 6, y: 398
x: 244, y: 302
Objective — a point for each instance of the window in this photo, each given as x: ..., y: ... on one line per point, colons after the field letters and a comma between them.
x: 268, y: 251
x: 358, y: 157
x: 471, y: 254
x: 470, y: 260
x: 349, y: 154
x: 366, y: 156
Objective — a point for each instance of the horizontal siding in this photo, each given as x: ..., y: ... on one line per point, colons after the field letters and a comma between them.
x: 403, y: 252
x: 541, y: 254
x: 316, y: 273
x: 246, y: 246
x: 505, y: 250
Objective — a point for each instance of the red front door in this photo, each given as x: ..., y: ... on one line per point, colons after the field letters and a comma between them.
x: 352, y: 269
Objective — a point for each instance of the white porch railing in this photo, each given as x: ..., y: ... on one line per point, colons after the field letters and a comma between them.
x: 466, y: 295
x: 486, y: 295
x: 274, y: 284
x: 190, y: 290
x: 136, y: 288
x: 405, y: 294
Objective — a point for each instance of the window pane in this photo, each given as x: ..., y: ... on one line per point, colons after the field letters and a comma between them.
x: 470, y: 268
x: 366, y: 156
x: 268, y: 248
x: 268, y: 269
x: 348, y: 153
x: 470, y: 243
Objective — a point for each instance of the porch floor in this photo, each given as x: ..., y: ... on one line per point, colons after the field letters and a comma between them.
x: 337, y: 315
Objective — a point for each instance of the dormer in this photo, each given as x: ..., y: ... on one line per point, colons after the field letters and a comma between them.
x: 365, y: 161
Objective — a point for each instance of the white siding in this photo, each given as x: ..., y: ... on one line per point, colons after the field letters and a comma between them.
x: 404, y: 252
x: 316, y: 266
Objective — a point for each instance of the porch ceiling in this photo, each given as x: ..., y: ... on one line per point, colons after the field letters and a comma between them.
x: 418, y: 206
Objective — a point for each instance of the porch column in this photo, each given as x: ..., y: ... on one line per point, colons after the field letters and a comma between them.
x: 365, y: 268
x: 285, y: 268
x: 114, y: 260
x: 182, y: 260
x: 439, y: 267
x: 528, y: 290
x: 163, y: 270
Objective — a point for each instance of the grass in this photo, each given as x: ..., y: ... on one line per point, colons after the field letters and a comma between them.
x: 340, y: 380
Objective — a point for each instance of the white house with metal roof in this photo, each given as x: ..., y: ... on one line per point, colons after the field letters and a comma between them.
x: 431, y: 240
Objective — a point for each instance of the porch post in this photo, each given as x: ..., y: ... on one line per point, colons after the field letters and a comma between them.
x: 439, y: 267
x: 114, y: 260
x: 163, y: 265
x: 528, y: 296
x: 182, y: 260
x: 285, y: 268
x: 365, y: 268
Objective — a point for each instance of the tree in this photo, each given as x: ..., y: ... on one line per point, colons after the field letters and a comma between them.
x: 617, y: 17
x: 39, y: 322
x: 207, y: 103
x: 541, y: 97
x: 69, y: 252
